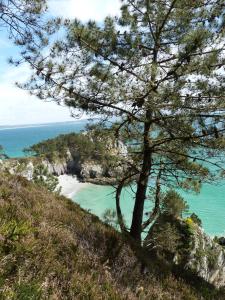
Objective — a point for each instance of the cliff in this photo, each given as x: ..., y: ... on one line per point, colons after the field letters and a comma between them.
x: 99, y: 159
x: 183, y: 244
x: 52, y: 249
x: 206, y: 258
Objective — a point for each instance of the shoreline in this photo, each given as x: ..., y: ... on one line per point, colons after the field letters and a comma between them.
x: 71, y: 185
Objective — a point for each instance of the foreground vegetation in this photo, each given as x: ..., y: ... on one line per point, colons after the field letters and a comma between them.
x: 52, y: 249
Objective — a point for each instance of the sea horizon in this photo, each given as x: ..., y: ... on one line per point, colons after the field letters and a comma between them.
x: 15, y: 138
x: 26, y: 125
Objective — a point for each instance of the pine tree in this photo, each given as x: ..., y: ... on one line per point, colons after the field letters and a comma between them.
x: 22, y: 19
x: 158, y: 68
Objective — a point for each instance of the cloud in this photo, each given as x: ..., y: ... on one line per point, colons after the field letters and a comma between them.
x: 17, y: 106
x: 84, y: 9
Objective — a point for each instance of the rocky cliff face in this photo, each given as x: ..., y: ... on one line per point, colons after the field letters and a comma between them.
x: 94, y: 171
x: 187, y: 247
x: 206, y: 258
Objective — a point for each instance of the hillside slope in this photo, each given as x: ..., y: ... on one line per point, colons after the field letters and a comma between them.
x: 52, y: 249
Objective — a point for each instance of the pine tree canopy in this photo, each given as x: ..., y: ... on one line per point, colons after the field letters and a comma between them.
x: 158, y: 68
x: 22, y: 19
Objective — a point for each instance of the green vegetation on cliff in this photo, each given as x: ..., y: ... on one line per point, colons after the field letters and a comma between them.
x: 91, y: 145
x: 52, y: 249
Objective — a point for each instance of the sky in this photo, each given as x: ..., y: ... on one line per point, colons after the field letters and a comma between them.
x: 17, y: 106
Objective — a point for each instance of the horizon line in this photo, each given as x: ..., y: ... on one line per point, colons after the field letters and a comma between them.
x: 47, y: 123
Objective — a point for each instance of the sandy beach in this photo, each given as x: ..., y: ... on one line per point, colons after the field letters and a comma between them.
x: 70, y: 185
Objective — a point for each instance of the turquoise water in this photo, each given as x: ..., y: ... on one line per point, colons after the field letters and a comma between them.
x: 15, y: 138
x: 209, y: 204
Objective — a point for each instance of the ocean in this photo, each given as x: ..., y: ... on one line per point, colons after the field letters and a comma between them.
x: 209, y: 205
x: 15, y: 138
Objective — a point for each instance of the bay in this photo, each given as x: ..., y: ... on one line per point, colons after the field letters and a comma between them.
x: 209, y: 205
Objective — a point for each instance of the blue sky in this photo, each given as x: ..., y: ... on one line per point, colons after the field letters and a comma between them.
x: 17, y: 106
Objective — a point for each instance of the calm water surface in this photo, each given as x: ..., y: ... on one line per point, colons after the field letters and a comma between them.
x: 15, y: 139
x: 209, y: 205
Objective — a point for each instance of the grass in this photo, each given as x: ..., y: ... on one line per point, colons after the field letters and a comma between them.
x: 52, y: 249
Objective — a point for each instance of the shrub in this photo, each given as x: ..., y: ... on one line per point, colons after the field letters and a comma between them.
x: 160, y: 240
x: 110, y: 217
x: 174, y: 204
x: 196, y: 219
x: 43, y: 178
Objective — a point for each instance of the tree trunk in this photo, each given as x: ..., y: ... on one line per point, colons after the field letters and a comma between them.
x: 156, y: 208
x: 118, y: 208
x: 142, y: 184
